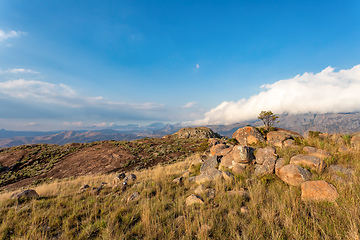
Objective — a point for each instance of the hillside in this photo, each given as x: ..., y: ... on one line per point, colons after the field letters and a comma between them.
x: 190, y: 194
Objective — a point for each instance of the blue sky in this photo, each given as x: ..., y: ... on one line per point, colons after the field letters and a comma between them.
x: 78, y: 64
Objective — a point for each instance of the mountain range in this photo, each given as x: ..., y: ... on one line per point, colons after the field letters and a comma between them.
x: 302, y: 123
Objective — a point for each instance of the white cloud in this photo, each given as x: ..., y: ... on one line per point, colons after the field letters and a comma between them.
x: 10, y: 34
x: 189, y: 105
x: 44, y: 92
x: 197, y: 66
x: 77, y: 124
x: 323, y: 92
x: 18, y: 70
x: 30, y: 124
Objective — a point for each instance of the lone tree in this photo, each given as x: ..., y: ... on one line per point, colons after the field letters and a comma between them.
x: 268, y: 118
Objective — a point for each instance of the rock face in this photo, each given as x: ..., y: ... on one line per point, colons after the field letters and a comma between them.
x: 193, y: 199
x: 293, y: 174
x: 318, y: 191
x: 217, y: 149
x: 317, y: 152
x: 30, y: 193
x: 312, y: 162
x: 248, y: 135
x: 211, y: 162
x: 198, y: 132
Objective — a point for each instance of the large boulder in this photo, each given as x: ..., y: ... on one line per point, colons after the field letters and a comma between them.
x: 280, y: 162
x: 318, y: 191
x: 282, y: 137
x: 317, y: 152
x: 293, y: 174
x: 210, y: 174
x: 248, y: 135
x: 312, y: 162
x: 264, y: 153
x: 243, y: 154
x: 217, y: 149
x: 267, y: 167
x: 198, y: 132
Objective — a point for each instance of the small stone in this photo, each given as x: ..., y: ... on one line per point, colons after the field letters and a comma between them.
x: 241, y: 193
x: 130, y: 177
x: 134, y: 197
x: 193, y: 199
x: 200, y: 189
x: 186, y: 173
x: 244, y: 210
x: 178, y: 180
x: 84, y: 187
x: 210, y: 193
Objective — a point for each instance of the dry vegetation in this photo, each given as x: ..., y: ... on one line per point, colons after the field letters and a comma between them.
x: 275, y: 209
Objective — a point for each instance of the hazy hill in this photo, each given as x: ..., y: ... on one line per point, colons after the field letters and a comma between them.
x: 301, y: 123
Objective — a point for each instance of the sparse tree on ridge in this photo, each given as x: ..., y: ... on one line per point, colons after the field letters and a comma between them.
x: 268, y: 118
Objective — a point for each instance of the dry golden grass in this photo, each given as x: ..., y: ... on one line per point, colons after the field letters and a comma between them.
x: 275, y: 209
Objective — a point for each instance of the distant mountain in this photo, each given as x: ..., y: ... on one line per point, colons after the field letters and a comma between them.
x: 10, y: 134
x: 301, y: 123
x: 69, y: 137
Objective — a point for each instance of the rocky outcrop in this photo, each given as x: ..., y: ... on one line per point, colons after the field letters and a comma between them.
x: 312, y: 162
x: 198, y: 132
x: 293, y: 174
x: 210, y: 174
x: 318, y: 191
x: 248, y: 135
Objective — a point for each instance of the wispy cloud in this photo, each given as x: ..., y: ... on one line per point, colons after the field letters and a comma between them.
x: 62, y: 94
x: 76, y: 124
x: 197, y: 66
x: 189, y: 105
x: 18, y: 70
x: 323, y: 92
x: 10, y: 34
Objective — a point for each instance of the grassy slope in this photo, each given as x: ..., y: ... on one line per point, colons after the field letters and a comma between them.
x: 275, y: 209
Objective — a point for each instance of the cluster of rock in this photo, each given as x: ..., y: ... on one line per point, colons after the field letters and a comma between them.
x: 225, y: 158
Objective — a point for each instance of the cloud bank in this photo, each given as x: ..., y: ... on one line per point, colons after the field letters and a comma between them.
x: 324, y: 92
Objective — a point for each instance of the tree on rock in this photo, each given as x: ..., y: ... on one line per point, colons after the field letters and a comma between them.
x: 268, y: 118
